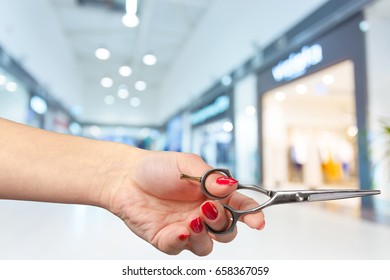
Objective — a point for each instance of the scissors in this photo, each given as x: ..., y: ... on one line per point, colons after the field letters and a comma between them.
x: 275, y: 197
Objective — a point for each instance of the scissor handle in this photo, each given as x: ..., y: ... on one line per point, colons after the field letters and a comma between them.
x: 235, y: 216
x: 203, y: 179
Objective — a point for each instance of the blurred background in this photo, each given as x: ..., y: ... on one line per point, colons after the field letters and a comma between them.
x: 288, y: 94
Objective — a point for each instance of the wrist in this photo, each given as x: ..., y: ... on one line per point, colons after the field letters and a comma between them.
x: 117, y: 168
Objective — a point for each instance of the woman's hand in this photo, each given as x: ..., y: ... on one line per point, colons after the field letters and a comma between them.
x: 169, y: 212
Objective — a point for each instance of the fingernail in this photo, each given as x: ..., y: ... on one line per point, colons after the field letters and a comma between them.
x: 261, y: 226
x: 210, y: 211
x: 183, y: 237
x: 226, y: 181
x: 196, y: 225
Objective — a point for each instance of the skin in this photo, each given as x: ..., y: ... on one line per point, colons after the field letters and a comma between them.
x: 141, y: 187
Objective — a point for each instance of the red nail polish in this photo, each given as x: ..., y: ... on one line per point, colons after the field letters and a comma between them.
x: 183, y: 237
x: 196, y: 225
x: 210, y: 211
x: 226, y: 181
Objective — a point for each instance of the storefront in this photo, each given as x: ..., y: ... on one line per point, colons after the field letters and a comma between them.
x: 212, y: 138
x: 313, y: 122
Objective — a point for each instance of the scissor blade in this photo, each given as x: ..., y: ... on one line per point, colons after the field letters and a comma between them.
x: 323, y: 195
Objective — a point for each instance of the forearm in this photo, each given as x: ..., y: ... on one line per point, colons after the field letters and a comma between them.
x: 45, y: 166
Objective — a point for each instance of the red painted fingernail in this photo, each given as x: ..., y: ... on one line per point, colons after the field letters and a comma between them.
x: 183, y: 237
x: 210, y: 211
x: 226, y: 181
x: 196, y: 225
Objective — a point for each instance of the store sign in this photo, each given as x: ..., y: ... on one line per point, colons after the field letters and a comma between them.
x: 220, y: 105
x: 297, y: 63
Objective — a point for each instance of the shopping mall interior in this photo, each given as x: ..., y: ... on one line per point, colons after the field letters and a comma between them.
x: 284, y: 94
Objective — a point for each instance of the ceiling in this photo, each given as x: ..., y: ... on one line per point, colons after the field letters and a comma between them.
x: 195, y: 41
x: 165, y: 26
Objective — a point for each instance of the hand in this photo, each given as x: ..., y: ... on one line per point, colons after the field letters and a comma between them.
x: 170, y: 213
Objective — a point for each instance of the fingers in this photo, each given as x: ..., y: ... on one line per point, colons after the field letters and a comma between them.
x: 200, y: 242
x: 242, y: 202
x: 215, y: 216
x: 217, y: 184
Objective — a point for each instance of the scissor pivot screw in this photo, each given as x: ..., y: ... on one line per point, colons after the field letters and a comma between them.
x: 299, y: 197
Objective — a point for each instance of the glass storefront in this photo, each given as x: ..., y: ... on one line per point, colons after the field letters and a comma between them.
x: 212, y: 131
x: 313, y: 119
x: 214, y: 143
x: 309, y: 133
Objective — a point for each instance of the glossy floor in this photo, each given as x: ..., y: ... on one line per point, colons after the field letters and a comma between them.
x: 30, y: 230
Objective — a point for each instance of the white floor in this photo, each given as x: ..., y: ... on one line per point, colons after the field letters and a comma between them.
x: 30, y: 230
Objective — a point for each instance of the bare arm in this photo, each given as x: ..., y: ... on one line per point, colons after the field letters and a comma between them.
x: 44, y: 166
x: 141, y: 187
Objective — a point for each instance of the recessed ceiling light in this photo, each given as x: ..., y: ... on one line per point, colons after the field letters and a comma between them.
x: 11, y: 86
x: 135, y: 101
x: 106, y: 82
x: 125, y: 71
x: 123, y: 93
x: 130, y: 20
x: 140, y: 85
x: 149, y: 59
x: 102, y: 53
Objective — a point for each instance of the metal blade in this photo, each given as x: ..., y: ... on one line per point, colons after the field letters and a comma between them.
x: 339, y: 194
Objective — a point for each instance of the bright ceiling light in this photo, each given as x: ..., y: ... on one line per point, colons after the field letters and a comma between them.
x: 11, y: 86
x: 123, y: 93
x: 125, y: 71
x: 130, y: 20
x: 135, y: 102
x: 280, y: 96
x: 140, y: 85
x: 328, y: 79
x: 301, y: 89
x: 109, y: 100
x: 149, y: 59
x: 131, y: 6
x: 106, y: 82
x: 102, y: 53
x: 38, y: 105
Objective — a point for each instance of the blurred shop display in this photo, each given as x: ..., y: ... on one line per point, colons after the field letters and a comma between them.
x: 23, y: 100
x: 212, y: 130
x: 313, y: 113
